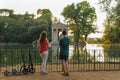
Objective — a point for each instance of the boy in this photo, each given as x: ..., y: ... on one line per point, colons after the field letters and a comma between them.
x: 64, y: 52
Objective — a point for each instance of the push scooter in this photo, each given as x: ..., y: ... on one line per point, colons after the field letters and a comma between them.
x: 23, y: 69
x: 7, y: 72
x: 30, y: 67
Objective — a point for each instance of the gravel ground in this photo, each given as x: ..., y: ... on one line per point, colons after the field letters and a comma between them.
x: 96, y: 75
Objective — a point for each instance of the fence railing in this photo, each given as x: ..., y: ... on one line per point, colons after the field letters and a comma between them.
x: 89, y: 60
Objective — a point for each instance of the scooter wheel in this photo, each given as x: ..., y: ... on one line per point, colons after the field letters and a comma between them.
x: 14, y: 71
x: 32, y: 70
x: 6, y: 72
x: 25, y: 71
x: 28, y: 69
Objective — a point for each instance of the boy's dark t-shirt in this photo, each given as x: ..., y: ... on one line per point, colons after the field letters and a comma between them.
x: 64, y: 46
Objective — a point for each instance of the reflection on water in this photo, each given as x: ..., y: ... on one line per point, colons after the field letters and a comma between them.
x: 94, y: 50
x: 97, y: 51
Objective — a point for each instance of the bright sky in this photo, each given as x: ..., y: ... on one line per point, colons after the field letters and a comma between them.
x: 55, y: 6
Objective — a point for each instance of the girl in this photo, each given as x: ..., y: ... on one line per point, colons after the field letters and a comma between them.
x: 43, y: 50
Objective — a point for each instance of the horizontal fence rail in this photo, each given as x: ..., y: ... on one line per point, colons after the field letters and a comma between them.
x: 87, y: 60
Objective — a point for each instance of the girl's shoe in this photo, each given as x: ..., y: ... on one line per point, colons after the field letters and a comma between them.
x: 44, y: 73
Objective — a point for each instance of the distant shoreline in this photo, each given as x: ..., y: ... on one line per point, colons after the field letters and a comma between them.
x: 2, y: 44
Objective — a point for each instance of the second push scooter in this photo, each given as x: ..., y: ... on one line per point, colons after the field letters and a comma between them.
x: 30, y: 67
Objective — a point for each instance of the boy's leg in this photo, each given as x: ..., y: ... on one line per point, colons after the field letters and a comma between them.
x: 66, y: 65
x: 62, y: 61
x: 62, y: 66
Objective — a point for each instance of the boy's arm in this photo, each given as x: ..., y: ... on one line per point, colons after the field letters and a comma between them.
x: 60, y: 43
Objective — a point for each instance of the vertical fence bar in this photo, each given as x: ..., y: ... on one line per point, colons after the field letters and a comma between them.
x: 57, y: 66
x: 76, y: 65
x: 35, y: 58
x: 5, y: 63
x: 51, y: 60
x: 12, y: 59
x: 99, y: 61
x: 86, y: 59
x: 104, y: 61
x: 89, y: 61
x: 114, y: 59
x: 119, y: 59
x: 109, y: 62
x: 0, y: 60
x: 73, y: 62
x: 94, y: 60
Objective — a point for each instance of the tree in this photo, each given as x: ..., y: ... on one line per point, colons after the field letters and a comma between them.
x: 39, y: 26
x: 80, y: 18
x: 112, y: 25
x: 47, y: 16
x: 6, y: 12
x: 2, y: 24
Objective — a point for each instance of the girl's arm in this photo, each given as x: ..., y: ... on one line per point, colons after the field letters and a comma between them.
x: 48, y: 43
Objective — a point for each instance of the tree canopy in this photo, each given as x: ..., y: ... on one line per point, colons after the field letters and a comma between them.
x: 112, y: 23
x: 80, y: 18
x: 23, y: 28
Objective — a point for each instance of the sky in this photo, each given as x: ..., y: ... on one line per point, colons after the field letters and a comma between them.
x: 55, y: 6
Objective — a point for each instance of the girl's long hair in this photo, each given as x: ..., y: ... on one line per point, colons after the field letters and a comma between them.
x: 43, y: 36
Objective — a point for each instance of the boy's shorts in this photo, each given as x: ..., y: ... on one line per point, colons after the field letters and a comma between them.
x: 63, y: 57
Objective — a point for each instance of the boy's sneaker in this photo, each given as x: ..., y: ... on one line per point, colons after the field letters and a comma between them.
x: 65, y: 74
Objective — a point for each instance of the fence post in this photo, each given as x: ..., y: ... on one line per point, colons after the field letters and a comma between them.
x: 0, y: 62
x: 94, y: 60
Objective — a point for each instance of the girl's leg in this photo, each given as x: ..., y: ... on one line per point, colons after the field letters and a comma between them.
x: 45, y: 60
x: 42, y: 65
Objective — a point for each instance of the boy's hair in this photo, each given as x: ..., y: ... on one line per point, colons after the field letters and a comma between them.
x: 64, y: 32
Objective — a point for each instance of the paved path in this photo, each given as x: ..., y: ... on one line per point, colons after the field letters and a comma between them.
x: 97, y: 75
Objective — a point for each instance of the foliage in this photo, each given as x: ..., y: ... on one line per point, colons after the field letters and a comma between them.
x: 6, y: 12
x: 95, y: 41
x: 111, y: 24
x: 46, y: 15
x: 23, y: 28
x: 80, y: 18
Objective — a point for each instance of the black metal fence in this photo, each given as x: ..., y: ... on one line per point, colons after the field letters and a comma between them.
x: 88, y: 60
